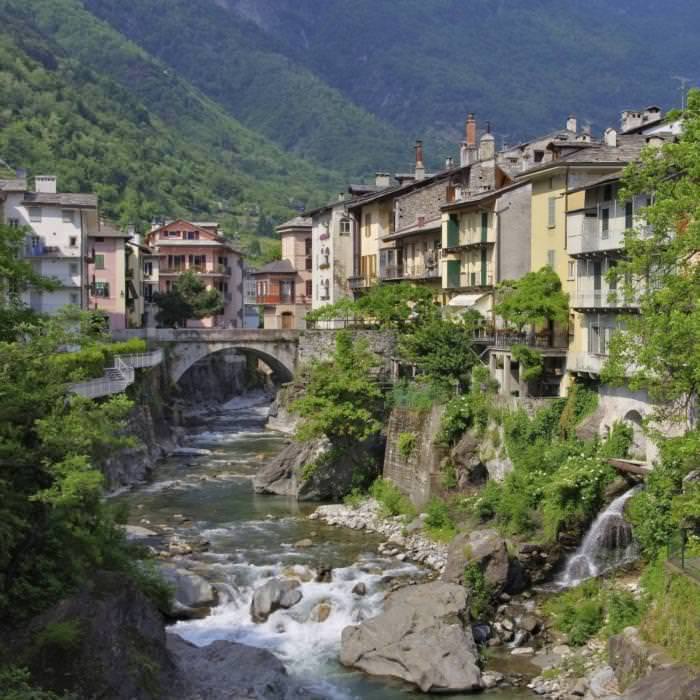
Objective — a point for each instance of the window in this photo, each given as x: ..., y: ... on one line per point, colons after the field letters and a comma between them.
x: 309, y: 288
x: 551, y: 258
x: 629, y: 215
x: 571, y: 270
x: 73, y: 268
x: 594, y: 338
x: 99, y: 262
x: 68, y: 216
x: 73, y: 242
x: 551, y: 212
x: 35, y: 213
x: 307, y: 246
x: 148, y: 269
x: 345, y: 227
x: 539, y: 156
x: 193, y: 235
x: 368, y: 225
x: 607, y: 193
x: 102, y: 289
x: 74, y: 299
x: 13, y: 222
x: 198, y: 262
x: 605, y: 223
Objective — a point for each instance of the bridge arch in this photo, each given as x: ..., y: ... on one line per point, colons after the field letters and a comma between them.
x: 185, y: 355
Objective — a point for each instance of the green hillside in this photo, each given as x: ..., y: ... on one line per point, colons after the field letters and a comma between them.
x: 235, y: 63
x: 78, y: 100
x: 421, y: 65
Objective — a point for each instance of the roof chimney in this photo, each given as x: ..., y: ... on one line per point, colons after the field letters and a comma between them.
x: 571, y: 123
x: 420, y: 167
x: 449, y: 163
x: 610, y: 138
x: 45, y: 184
x: 382, y: 180
x: 487, y: 145
x: 470, y: 130
x: 630, y: 119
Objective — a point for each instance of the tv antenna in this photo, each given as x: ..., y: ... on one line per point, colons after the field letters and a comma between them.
x: 683, y: 87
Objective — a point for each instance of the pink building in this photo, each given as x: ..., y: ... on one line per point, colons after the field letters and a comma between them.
x: 199, y: 247
x: 107, y: 283
x: 284, y: 287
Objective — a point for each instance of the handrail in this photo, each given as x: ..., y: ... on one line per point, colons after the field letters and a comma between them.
x: 124, y: 367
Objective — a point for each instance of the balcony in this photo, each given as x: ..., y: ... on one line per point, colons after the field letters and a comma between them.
x: 585, y: 362
x: 611, y: 300
x: 416, y: 271
x: 542, y: 340
x: 361, y: 282
x: 274, y: 299
x: 41, y: 250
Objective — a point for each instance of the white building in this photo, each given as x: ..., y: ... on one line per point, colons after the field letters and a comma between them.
x: 59, y: 225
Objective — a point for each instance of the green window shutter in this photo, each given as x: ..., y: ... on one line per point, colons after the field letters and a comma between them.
x: 483, y: 267
x: 453, y: 273
x: 452, y: 232
x: 484, y: 226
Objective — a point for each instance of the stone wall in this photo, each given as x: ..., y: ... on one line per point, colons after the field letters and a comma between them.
x: 320, y: 345
x: 416, y: 475
x: 425, y: 202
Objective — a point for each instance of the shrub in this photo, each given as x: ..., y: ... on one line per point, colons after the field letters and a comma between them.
x: 64, y: 636
x: 406, y: 444
x: 417, y: 396
x: 16, y: 684
x: 530, y: 360
x: 623, y: 611
x: 619, y: 441
x: 448, y: 476
x: 438, y: 521
x: 392, y: 500
x: 574, y: 493
x: 479, y: 592
x: 578, y: 612
x: 354, y: 498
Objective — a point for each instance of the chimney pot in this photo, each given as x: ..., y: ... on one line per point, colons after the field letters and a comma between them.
x: 571, y: 123
x: 420, y: 167
x: 448, y: 162
x: 610, y: 137
x: 471, y: 129
x: 382, y: 180
x: 45, y: 184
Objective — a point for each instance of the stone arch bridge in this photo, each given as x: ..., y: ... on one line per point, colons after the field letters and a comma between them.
x: 281, y: 350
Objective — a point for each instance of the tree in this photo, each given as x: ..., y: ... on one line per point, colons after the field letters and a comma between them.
x: 658, y: 349
x: 342, y: 400
x: 17, y: 276
x: 55, y: 527
x: 188, y: 299
x: 534, y: 299
x: 442, y: 349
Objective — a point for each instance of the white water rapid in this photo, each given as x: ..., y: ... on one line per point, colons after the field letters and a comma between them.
x: 607, y: 545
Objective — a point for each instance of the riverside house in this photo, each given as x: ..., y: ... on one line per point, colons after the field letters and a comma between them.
x: 200, y: 248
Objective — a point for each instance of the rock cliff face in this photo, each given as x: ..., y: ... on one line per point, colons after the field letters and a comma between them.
x: 316, y: 471
x: 422, y: 637
x: 109, y: 641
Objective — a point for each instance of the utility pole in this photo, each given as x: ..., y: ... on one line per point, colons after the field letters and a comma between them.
x: 683, y: 87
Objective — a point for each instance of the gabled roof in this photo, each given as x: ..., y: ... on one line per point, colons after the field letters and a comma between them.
x: 296, y: 222
x: 605, y: 180
x: 415, y: 229
x: 482, y: 197
x: 61, y: 199
x: 14, y: 185
x: 276, y: 267
x: 213, y: 236
x: 109, y: 230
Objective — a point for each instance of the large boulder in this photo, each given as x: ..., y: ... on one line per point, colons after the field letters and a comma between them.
x: 487, y: 550
x: 464, y: 456
x: 312, y: 471
x: 272, y: 595
x: 666, y: 683
x: 632, y: 658
x: 189, y: 589
x: 230, y: 671
x: 423, y: 637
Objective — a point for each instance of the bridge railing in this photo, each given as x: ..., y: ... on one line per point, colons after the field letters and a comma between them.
x: 117, y: 378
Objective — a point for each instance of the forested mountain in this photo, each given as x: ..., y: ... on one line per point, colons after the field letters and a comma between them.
x: 421, y: 64
x: 77, y: 99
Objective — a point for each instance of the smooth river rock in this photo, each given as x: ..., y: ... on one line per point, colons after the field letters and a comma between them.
x: 422, y: 637
x: 272, y: 595
x: 190, y: 589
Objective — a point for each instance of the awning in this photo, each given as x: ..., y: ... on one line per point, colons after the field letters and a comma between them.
x: 467, y: 299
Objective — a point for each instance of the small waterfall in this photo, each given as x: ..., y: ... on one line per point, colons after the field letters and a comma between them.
x: 608, y: 544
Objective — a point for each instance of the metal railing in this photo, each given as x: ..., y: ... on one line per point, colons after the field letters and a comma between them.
x: 505, y: 339
x: 282, y: 299
x: 410, y: 271
x: 117, y: 378
x: 603, y: 299
x: 681, y: 556
x: 362, y: 282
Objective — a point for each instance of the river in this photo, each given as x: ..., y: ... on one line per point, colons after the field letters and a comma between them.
x: 209, y: 493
